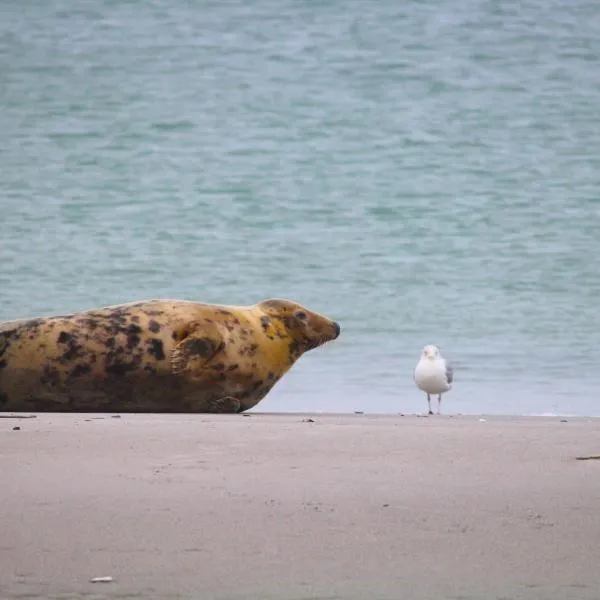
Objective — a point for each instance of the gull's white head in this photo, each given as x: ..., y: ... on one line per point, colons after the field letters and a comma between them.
x: 431, y: 352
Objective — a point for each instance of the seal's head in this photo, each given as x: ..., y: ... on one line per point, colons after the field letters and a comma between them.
x: 306, y: 328
x: 431, y: 352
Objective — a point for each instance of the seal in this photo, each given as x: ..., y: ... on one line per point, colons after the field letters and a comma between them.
x: 155, y: 356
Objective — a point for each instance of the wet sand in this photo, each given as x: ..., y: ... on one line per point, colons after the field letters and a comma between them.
x: 273, y: 506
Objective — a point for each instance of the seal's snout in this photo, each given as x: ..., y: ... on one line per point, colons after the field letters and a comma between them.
x: 336, y: 330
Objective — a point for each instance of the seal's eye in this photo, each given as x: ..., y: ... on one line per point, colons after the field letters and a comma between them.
x: 301, y: 315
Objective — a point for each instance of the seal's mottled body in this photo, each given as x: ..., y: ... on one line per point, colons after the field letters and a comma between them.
x: 155, y: 356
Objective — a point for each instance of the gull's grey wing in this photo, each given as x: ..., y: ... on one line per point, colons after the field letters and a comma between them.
x: 449, y: 372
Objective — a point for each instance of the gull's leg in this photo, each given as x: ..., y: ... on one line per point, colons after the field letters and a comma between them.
x: 429, y: 403
x: 439, y: 404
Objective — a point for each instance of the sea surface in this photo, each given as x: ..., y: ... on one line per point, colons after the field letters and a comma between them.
x: 422, y: 172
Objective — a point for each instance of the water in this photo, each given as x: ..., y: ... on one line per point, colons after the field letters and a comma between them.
x: 421, y: 172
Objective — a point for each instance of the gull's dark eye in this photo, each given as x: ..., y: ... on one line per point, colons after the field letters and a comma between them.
x: 301, y: 315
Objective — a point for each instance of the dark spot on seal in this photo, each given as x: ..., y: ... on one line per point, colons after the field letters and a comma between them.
x: 64, y: 337
x: 154, y: 326
x: 202, y: 347
x: 9, y: 334
x: 35, y: 323
x: 133, y: 336
x: 222, y: 311
x: 117, y: 319
x: 155, y: 348
x: 132, y: 341
x: 110, y: 342
x: 120, y: 368
x: 249, y: 350
x: 295, y: 350
x: 135, y: 319
x: 3, y: 363
x: 271, y: 376
x: 219, y: 367
x: 5, y: 340
x: 50, y: 376
x: 232, y: 367
x: 265, y: 322
x: 86, y: 322
x: 80, y: 370
x: 73, y: 347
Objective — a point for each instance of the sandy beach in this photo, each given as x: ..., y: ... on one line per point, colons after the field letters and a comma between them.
x: 278, y: 507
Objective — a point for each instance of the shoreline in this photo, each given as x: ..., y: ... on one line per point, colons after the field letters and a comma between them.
x: 357, y: 413
x: 295, y: 506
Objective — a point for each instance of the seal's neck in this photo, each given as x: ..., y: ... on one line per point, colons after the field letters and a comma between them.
x: 281, y: 345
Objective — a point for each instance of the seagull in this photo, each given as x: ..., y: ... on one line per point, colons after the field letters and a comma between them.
x: 433, y: 374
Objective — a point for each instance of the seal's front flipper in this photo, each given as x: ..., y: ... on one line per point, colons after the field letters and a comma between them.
x: 226, y: 404
x: 196, y: 348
